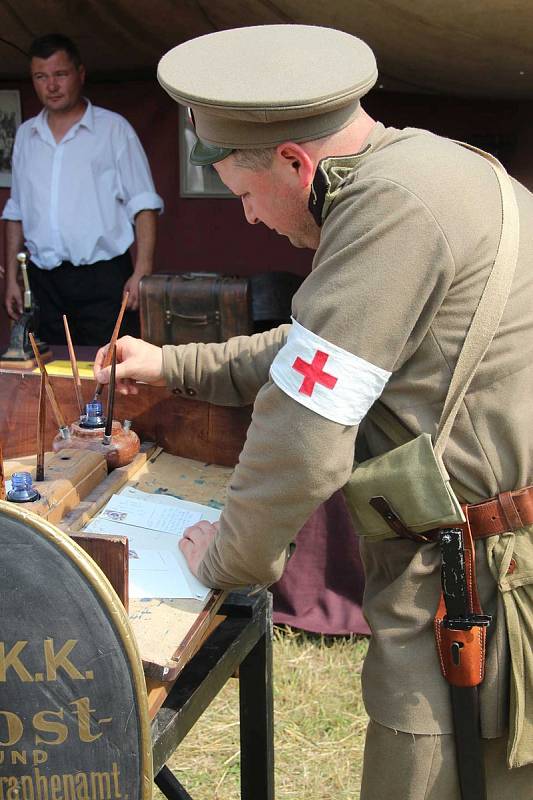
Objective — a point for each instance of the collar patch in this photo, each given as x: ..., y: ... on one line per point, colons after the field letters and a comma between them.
x: 328, y: 181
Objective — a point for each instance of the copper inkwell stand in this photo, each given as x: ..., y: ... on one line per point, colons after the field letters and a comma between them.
x: 95, y: 429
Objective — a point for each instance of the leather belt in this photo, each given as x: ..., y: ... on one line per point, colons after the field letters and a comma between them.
x: 506, y: 512
x: 509, y: 511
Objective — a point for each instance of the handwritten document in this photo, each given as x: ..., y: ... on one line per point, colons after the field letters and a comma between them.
x: 145, y: 514
x: 154, y: 524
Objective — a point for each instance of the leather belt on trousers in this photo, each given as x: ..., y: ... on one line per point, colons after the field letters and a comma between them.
x: 506, y: 512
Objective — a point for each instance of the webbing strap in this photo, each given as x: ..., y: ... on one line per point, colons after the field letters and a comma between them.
x: 482, y: 328
x: 490, y: 308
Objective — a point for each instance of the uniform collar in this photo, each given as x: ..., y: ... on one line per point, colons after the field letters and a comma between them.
x: 331, y: 174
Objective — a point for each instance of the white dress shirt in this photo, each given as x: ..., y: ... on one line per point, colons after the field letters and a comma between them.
x: 77, y: 200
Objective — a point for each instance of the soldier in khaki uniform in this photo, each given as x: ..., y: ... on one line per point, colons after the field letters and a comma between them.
x: 406, y: 226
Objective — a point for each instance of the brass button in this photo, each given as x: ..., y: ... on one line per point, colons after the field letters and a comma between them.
x: 190, y: 392
x: 177, y: 391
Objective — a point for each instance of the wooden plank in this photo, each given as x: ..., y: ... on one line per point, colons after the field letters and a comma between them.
x: 112, y: 483
x: 69, y: 476
x: 28, y: 363
x: 187, y: 627
x: 184, y: 478
x: 111, y: 555
x: 165, y: 628
x: 158, y: 690
x: 185, y: 427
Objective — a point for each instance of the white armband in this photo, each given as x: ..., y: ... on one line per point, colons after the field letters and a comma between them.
x: 325, y: 378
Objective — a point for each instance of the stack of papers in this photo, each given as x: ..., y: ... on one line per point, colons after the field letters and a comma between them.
x: 154, y: 524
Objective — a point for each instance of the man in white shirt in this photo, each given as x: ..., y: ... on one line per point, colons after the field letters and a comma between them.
x: 81, y: 193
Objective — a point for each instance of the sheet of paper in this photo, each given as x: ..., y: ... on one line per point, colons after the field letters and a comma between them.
x: 143, y: 513
x: 161, y: 566
x: 208, y: 512
x: 157, y: 566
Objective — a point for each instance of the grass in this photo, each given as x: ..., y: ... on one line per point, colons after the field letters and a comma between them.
x: 319, y: 725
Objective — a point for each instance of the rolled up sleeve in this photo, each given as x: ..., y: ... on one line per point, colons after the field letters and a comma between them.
x: 138, y: 191
x: 12, y: 209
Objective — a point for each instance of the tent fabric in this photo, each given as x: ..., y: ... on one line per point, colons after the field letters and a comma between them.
x: 322, y: 587
x: 481, y: 48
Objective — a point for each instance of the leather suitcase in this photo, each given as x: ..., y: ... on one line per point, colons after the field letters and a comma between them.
x: 194, y: 307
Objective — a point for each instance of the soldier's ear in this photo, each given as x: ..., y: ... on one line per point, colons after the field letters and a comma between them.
x: 295, y: 157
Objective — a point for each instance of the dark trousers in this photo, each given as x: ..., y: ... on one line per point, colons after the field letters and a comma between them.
x: 89, y: 296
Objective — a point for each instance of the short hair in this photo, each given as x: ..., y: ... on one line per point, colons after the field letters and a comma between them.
x: 256, y: 159
x: 46, y: 46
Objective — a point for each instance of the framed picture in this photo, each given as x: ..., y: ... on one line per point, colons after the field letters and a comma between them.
x: 196, y: 181
x: 10, y: 119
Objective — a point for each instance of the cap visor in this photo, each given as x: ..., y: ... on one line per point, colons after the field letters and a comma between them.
x: 203, y: 154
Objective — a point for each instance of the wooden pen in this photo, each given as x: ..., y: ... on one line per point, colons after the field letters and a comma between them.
x: 74, y: 366
x: 41, y: 427
x: 60, y: 419
x: 112, y: 343
x: 2, y: 478
x: 111, y: 398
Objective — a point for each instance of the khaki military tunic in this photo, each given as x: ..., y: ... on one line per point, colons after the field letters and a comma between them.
x: 409, y: 233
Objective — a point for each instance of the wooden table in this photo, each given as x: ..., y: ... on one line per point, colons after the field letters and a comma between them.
x: 243, y: 642
x: 183, y: 427
x: 235, y: 641
x: 322, y: 587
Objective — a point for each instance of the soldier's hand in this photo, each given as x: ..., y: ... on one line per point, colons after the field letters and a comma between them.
x: 13, y: 300
x: 136, y: 361
x: 195, y: 541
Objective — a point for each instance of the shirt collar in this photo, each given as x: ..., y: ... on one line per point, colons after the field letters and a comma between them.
x: 88, y: 118
x: 40, y: 122
x: 39, y: 125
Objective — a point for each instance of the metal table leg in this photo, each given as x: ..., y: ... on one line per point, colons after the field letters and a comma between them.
x: 170, y: 785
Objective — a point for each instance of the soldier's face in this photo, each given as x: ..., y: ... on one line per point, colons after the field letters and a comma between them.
x: 272, y: 196
x: 57, y: 81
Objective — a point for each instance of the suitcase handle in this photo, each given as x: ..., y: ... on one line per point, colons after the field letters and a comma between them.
x: 191, y: 276
x: 192, y: 319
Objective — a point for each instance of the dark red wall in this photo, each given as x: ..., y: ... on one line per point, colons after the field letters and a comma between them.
x: 194, y: 233
x: 212, y: 234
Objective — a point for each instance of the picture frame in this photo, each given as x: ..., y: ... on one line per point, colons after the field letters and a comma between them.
x: 196, y: 181
x: 10, y: 119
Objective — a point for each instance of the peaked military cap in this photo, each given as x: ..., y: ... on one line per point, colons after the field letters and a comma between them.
x: 259, y: 86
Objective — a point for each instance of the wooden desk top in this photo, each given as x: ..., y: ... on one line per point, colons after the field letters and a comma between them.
x: 168, y: 631
x: 195, y: 436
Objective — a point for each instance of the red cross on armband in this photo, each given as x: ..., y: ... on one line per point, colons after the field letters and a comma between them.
x: 314, y: 373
